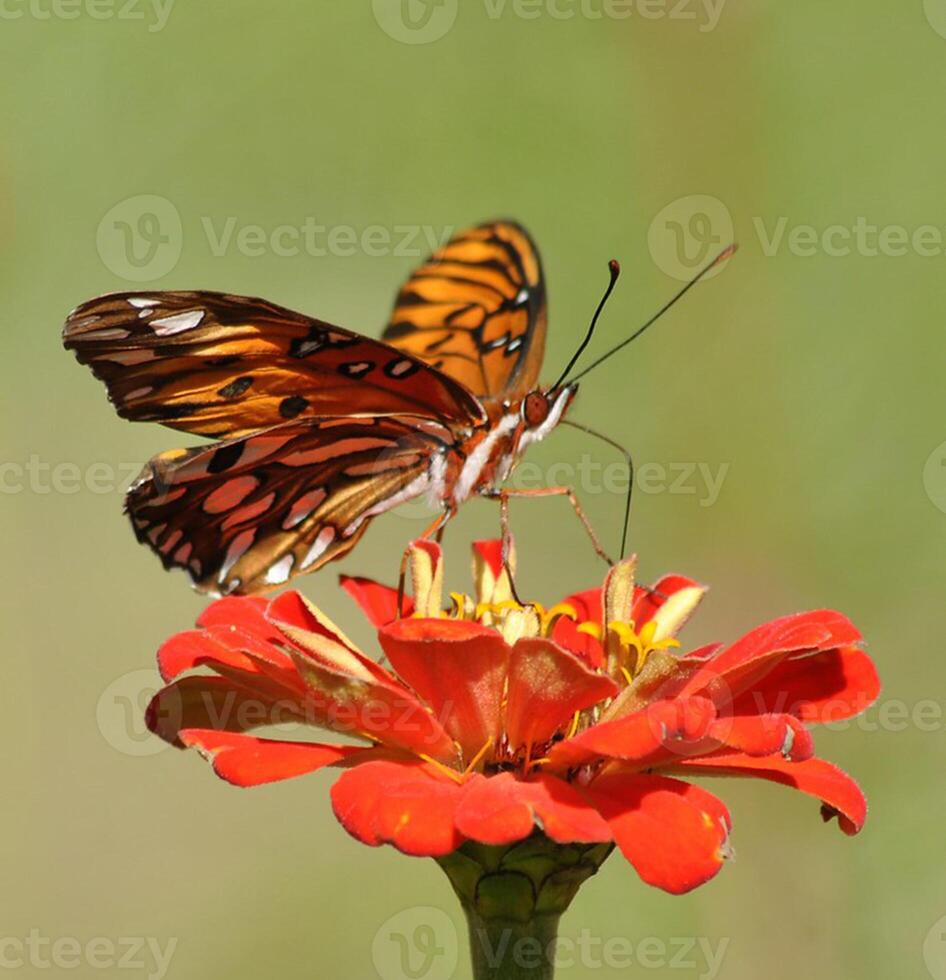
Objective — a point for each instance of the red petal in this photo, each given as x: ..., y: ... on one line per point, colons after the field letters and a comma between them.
x: 248, y: 761
x: 547, y: 685
x: 411, y: 806
x: 675, y: 834
x: 646, y: 737
x: 825, y: 687
x: 229, y: 646
x: 588, y: 605
x: 762, y: 735
x: 220, y: 704
x: 378, y: 602
x: 380, y: 710
x: 502, y: 809
x: 458, y: 668
x: 749, y: 659
x: 567, y: 635
x: 291, y: 609
x: 835, y: 788
x: 196, y: 648
x: 244, y: 612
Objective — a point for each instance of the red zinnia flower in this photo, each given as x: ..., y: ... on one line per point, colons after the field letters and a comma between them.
x: 499, y: 722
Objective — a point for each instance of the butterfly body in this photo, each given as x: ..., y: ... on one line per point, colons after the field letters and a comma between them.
x: 322, y: 429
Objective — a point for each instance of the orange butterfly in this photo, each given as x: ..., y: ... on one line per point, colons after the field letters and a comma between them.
x: 323, y: 429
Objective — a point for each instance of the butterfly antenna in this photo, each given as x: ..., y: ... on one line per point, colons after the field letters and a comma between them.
x: 630, y: 473
x: 615, y: 269
x: 725, y: 254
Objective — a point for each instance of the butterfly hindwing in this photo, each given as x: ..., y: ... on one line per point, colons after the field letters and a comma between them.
x: 246, y: 514
x: 219, y: 365
x: 476, y: 310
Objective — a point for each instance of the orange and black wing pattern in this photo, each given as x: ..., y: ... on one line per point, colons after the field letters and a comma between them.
x: 247, y: 514
x: 220, y: 365
x: 476, y: 310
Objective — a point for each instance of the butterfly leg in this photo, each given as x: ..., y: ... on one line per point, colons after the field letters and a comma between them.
x: 504, y: 494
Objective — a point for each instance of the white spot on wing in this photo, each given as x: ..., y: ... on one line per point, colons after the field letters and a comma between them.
x: 166, y: 326
x: 142, y: 303
x: 279, y: 572
x: 324, y: 538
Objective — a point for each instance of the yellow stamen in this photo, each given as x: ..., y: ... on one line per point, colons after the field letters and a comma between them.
x: 642, y: 643
x: 591, y: 629
x: 574, y: 725
x: 459, y: 601
x: 446, y: 770
x: 478, y: 758
x: 548, y: 618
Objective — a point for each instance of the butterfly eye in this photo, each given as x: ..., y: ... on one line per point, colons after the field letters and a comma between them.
x: 535, y: 409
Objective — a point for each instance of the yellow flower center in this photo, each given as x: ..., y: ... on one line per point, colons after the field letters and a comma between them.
x: 496, y: 613
x: 626, y: 638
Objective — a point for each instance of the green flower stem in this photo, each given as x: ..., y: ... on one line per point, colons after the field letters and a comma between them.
x: 503, y: 949
x: 513, y: 898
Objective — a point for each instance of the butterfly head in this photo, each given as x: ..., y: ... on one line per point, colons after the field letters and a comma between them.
x: 543, y: 409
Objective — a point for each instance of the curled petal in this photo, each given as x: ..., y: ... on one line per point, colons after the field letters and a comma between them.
x: 458, y: 668
x: 309, y: 629
x: 410, y: 805
x: 619, y: 592
x: 648, y: 601
x: 502, y: 809
x: 822, y: 688
x: 762, y: 735
x: 245, y: 760
x: 425, y: 567
x: 221, y: 704
x: 748, y: 660
x: 838, y: 792
x: 547, y: 685
x: 219, y: 646
x: 378, y: 602
x: 674, y: 833
x: 490, y: 577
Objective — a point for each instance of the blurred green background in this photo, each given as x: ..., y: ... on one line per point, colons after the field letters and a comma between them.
x: 810, y: 370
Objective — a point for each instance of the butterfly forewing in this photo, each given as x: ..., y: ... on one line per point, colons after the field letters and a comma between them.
x: 476, y: 311
x: 247, y: 514
x: 322, y: 428
x: 220, y: 365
